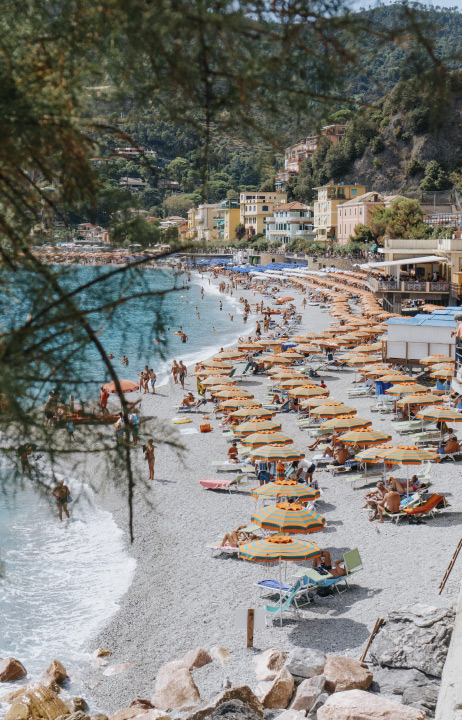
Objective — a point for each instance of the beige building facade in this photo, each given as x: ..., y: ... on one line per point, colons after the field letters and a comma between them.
x: 201, y: 222
x: 329, y: 197
x: 255, y: 207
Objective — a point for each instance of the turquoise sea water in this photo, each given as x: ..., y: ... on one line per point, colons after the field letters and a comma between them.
x: 60, y: 581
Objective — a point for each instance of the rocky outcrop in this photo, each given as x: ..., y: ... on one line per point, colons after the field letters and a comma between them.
x: 220, y: 654
x: 196, y: 659
x: 77, y: 703
x: 37, y: 703
x: 292, y: 715
x: 307, y: 693
x: 268, y: 664
x: 418, y: 639
x: 280, y: 691
x: 304, y: 663
x: 11, y: 670
x: 242, y: 693
x: 413, y: 687
x: 174, y: 687
x: 55, y: 674
x: 117, y: 669
x: 345, y: 673
x: 360, y: 705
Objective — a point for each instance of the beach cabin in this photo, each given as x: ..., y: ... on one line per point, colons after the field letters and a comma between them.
x: 411, y: 338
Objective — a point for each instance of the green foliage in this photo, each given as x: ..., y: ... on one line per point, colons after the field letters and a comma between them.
x: 377, y: 163
x: 435, y: 178
x: 377, y: 144
x: 442, y: 232
x: 179, y: 205
x: 362, y: 234
x: 414, y: 167
x: 402, y: 219
x: 239, y: 231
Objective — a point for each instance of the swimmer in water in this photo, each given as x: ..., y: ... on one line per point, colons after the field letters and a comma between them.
x: 111, y: 356
x: 213, y: 329
x: 124, y: 360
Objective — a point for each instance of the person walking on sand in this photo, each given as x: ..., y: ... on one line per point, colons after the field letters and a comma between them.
x: 63, y: 495
x: 152, y: 381
x: 304, y: 302
x: 183, y: 371
x: 174, y: 371
x: 149, y: 455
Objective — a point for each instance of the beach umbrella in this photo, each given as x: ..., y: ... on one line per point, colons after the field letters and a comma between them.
x: 361, y: 360
x: 372, y: 454
x: 308, y: 392
x: 419, y: 400
x: 327, y: 343
x: 433, y: 359
x: 211, y: 372
x: 217, y: 364
x: 292, y: 355
x: 330, y: 411
x: 372, y: 348
x: 345, y: 423
x: 289, y: 518
x: 218, y: 381
x: 231, y: 392
x: 396, y: 378
x: 286, y: 488
x: 278, y: 548
x: 125, y: 385
x: 249, y: 346
x: 257, y: 425
x: 266, y: 437
x: 402, y: 389
x: 364, y: 437
x: 408, y: 455
x: 255, y: 412
x: 307, y: 348
x: 442, y: 366
x: 236, y: 403
x: 296, y: 382
x: 284, y: 374
x: 439, y: 414
x: 272, y: 453
x: 275, y: 359
x: 448, y: 373
x: 228, y: 355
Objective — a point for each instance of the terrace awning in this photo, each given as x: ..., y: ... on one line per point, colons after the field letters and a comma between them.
x: 405, y: 261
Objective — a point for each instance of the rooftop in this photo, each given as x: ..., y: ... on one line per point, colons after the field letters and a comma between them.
x: 293, y: 206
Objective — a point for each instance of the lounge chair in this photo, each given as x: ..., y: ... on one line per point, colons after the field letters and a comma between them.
x: 288, y: 603
x: 271, y: 587
x: 408, y: 426
x: 361, y: 391
x: 226, y: 466
x: 429, y: 507
x: 218, y: 484
x: 352, y: 563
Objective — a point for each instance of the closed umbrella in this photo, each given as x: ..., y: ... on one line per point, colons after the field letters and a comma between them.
x: 289, y: 518
x: 278, y: 547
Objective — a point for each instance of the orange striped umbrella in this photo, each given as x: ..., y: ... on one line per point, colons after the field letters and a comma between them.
x: 256, y: 412
x: 433, y: 359
x: 307, y: 392
x: 236, y: 403
x: 329, y: 410
x: 364, y: 437
x: 289, y: 518
x: 267, y: 437
x: 256, y: 425
x: 218, y: 380
x: 402, y: 389
x: 407, y: 455
x: 231, y: 392
x: 345, y: 423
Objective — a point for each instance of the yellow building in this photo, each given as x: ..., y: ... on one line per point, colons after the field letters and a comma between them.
x: 255, y: 207
x: 201, y: 222
x: 325, y: 208
x: 231, y: 218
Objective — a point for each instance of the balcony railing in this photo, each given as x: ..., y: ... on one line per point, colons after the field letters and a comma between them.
x: 406, y: 286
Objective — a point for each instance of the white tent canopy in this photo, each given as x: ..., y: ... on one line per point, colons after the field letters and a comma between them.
x: 405, y: 261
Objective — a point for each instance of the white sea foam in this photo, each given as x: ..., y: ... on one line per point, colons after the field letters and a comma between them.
x: 61, y: 581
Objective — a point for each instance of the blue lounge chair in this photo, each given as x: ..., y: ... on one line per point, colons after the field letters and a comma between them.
x: 352, y: 562
x: 288, y: 602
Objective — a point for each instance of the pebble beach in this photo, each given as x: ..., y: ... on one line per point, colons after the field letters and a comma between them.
x: 183, y: 597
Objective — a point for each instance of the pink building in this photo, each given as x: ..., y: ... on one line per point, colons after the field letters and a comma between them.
x: 357, y: 211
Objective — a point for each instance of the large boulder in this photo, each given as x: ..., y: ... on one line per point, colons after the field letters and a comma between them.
x: 117, y: 669
x: 55, y: 674
x: 196, y: 659
x: 292, y: 715
x: 415, y: 639
x: 305, y: 662
x: 174, y: 687
x: 307, y: 693
x: 415, y: 688
x: 268, y: 664
x: 280, y: 691
x: 11, y: 670
x: 233, y: 710
x: 242, y: 693
x: 37, y: 703
x: 220, y: 654
x: 345, y: 673
x: 360, y: 705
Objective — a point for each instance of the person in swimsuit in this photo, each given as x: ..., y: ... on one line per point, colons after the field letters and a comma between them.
x: 152, y: 380
x: 183, y: 371
x: 103, y: 398
x: 324, y: 562
x: 174, y: 372
x: 150, y: 457
x: 62, y: 495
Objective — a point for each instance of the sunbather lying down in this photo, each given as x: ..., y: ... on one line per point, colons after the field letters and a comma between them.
x: 237, y: 537
x: 326, y: 564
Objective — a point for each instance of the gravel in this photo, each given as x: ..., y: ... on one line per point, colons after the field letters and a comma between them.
x: 182, y: 597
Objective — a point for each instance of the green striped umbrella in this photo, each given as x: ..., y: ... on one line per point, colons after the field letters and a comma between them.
x: 439, y: 414
x: 407, y: 455
x: 266, y: 437
x: 289, y: 518
x: 309, y: 391
x: 345, y: 423
x: 257, y: 425
x: 364, y: 437
x: 330, y: 411
x: 286, y: 488
x: 272, y: 453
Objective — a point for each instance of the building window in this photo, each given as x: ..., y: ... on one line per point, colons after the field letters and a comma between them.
x: 265, y: 208
x: 353, y: 191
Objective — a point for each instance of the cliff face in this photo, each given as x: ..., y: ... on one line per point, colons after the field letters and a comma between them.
x: 390, y: 169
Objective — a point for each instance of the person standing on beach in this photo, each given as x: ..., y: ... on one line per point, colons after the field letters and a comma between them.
x: 134, y: 420
x: 119, y: 428
x: 149, y: 455
x: 103, y: 398
x: 258, y: 330
x: 152, y: 381
x: 63, y: 495
x: 183, y: 371
x: 174, y: 372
